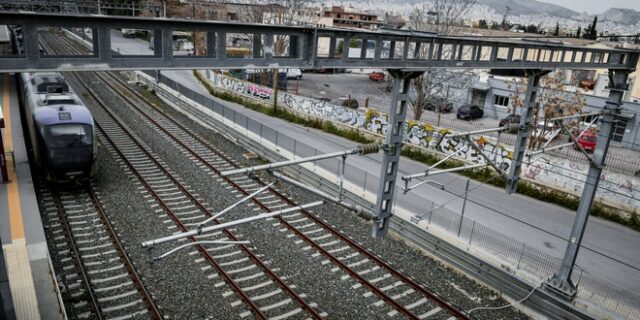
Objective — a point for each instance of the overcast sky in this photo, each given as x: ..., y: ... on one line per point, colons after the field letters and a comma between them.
x: 596, y: 6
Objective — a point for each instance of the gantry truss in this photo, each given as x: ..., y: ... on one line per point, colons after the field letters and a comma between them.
x: 306, y: 47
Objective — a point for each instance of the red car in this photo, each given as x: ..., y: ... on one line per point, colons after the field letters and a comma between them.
x: 588, y: 141
x: 376, y: 76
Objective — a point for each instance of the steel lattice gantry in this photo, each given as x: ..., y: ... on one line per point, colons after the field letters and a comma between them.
x: 394, y: 49
x: 405, y: 54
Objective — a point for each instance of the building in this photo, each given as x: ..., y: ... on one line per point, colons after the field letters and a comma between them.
x: 347, y: 19
x: 495, y: 96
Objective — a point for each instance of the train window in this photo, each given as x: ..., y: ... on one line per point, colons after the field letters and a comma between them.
x: 68, y: 135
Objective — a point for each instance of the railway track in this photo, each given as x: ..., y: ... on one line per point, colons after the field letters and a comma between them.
x: 99, y: 277
x: 373, y: 276
x: 402, y: 293
x: 259, y: 287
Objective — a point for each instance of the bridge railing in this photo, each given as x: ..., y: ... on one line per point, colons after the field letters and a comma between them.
x: 297, y: 47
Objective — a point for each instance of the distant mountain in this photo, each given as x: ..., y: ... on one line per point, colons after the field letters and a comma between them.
x: 621, y: 16
x: 525, y: 7
x: 517, y: 8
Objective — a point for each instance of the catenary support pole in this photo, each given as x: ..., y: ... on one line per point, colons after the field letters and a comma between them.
x: 561, y: 282
x: 391, y: 156
x: 523, y: 132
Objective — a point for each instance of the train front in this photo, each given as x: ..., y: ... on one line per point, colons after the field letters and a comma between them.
x: 68, y: 143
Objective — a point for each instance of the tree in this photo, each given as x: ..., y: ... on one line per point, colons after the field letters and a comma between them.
x: 557, y: 101
x: 482, y: 24
x: 578, y: 32
x: 557, y: 32
x: 532, y: 28
x: 591, y: 33
x: 433, y: 85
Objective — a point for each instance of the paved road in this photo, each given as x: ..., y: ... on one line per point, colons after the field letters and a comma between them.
x: 605, y: 237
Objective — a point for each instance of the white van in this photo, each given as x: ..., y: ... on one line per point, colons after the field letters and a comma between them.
x: 294, y: 74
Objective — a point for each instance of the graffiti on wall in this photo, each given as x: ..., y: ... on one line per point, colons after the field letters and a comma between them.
x: 321, y: 109
x: 564, y: 174
x: 245, y: 88
x: 570, y: 176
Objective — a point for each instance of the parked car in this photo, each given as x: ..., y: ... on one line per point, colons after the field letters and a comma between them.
x: 587, y: 141
x: 294, y: 74
x: 584, y: 126
x: 469, y: 112
x: 548, y: 131
x: 376, y: 76
x: 510, y: 119
x: 439, y: 105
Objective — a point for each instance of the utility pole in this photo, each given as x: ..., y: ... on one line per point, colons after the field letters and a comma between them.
x: 561, y: 282
x: 392, y: 146
x: 504, y: 18
x: 520, y: 147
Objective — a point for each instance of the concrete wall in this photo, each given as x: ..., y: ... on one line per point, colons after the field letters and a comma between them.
x: 566, y: 175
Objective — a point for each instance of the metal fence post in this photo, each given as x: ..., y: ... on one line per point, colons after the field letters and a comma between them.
x: 520, y: 258
x: 364, y: 185
x: 464, y: 205
x: 295, y: 147
x: 473, y: 227
x: 315, y: 153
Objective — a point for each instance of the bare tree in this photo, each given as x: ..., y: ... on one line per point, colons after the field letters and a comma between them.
x: 432, y: 88
x: 555, y: 99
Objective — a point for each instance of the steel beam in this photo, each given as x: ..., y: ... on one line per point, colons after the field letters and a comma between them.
x: 392, y: 146
x: 361, y: 149
x: 561, y: 282
x: 303, y: 50
x: 195, y: 232
x: 523, y: 132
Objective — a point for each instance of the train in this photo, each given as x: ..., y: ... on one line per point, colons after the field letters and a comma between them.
x: 61, y: 128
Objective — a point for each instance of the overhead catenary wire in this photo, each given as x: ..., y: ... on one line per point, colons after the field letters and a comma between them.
x: 484, y: 206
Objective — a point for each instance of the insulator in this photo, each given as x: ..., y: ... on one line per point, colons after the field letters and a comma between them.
x: 368, y: 148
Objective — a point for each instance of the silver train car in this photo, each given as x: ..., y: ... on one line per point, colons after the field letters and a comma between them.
x: 61, y: 128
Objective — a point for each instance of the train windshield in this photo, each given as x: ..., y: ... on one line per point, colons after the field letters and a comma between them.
x: 68, y: 135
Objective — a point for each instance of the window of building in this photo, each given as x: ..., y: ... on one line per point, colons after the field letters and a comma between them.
x: 619, y: 128
x: 478, y: 97
x: 501, y: 100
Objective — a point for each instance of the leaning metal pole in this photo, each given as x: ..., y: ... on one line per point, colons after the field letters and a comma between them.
x: 523, y: 132
x: 561, y: 282
x: 391, y: 156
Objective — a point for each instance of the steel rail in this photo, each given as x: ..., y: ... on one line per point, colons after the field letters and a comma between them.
x: 234, y: 285
x: 428, y: 293
x: 227, y: 277
x: 93, y: 300
x: 146, y: 296
x: 284, y: 286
